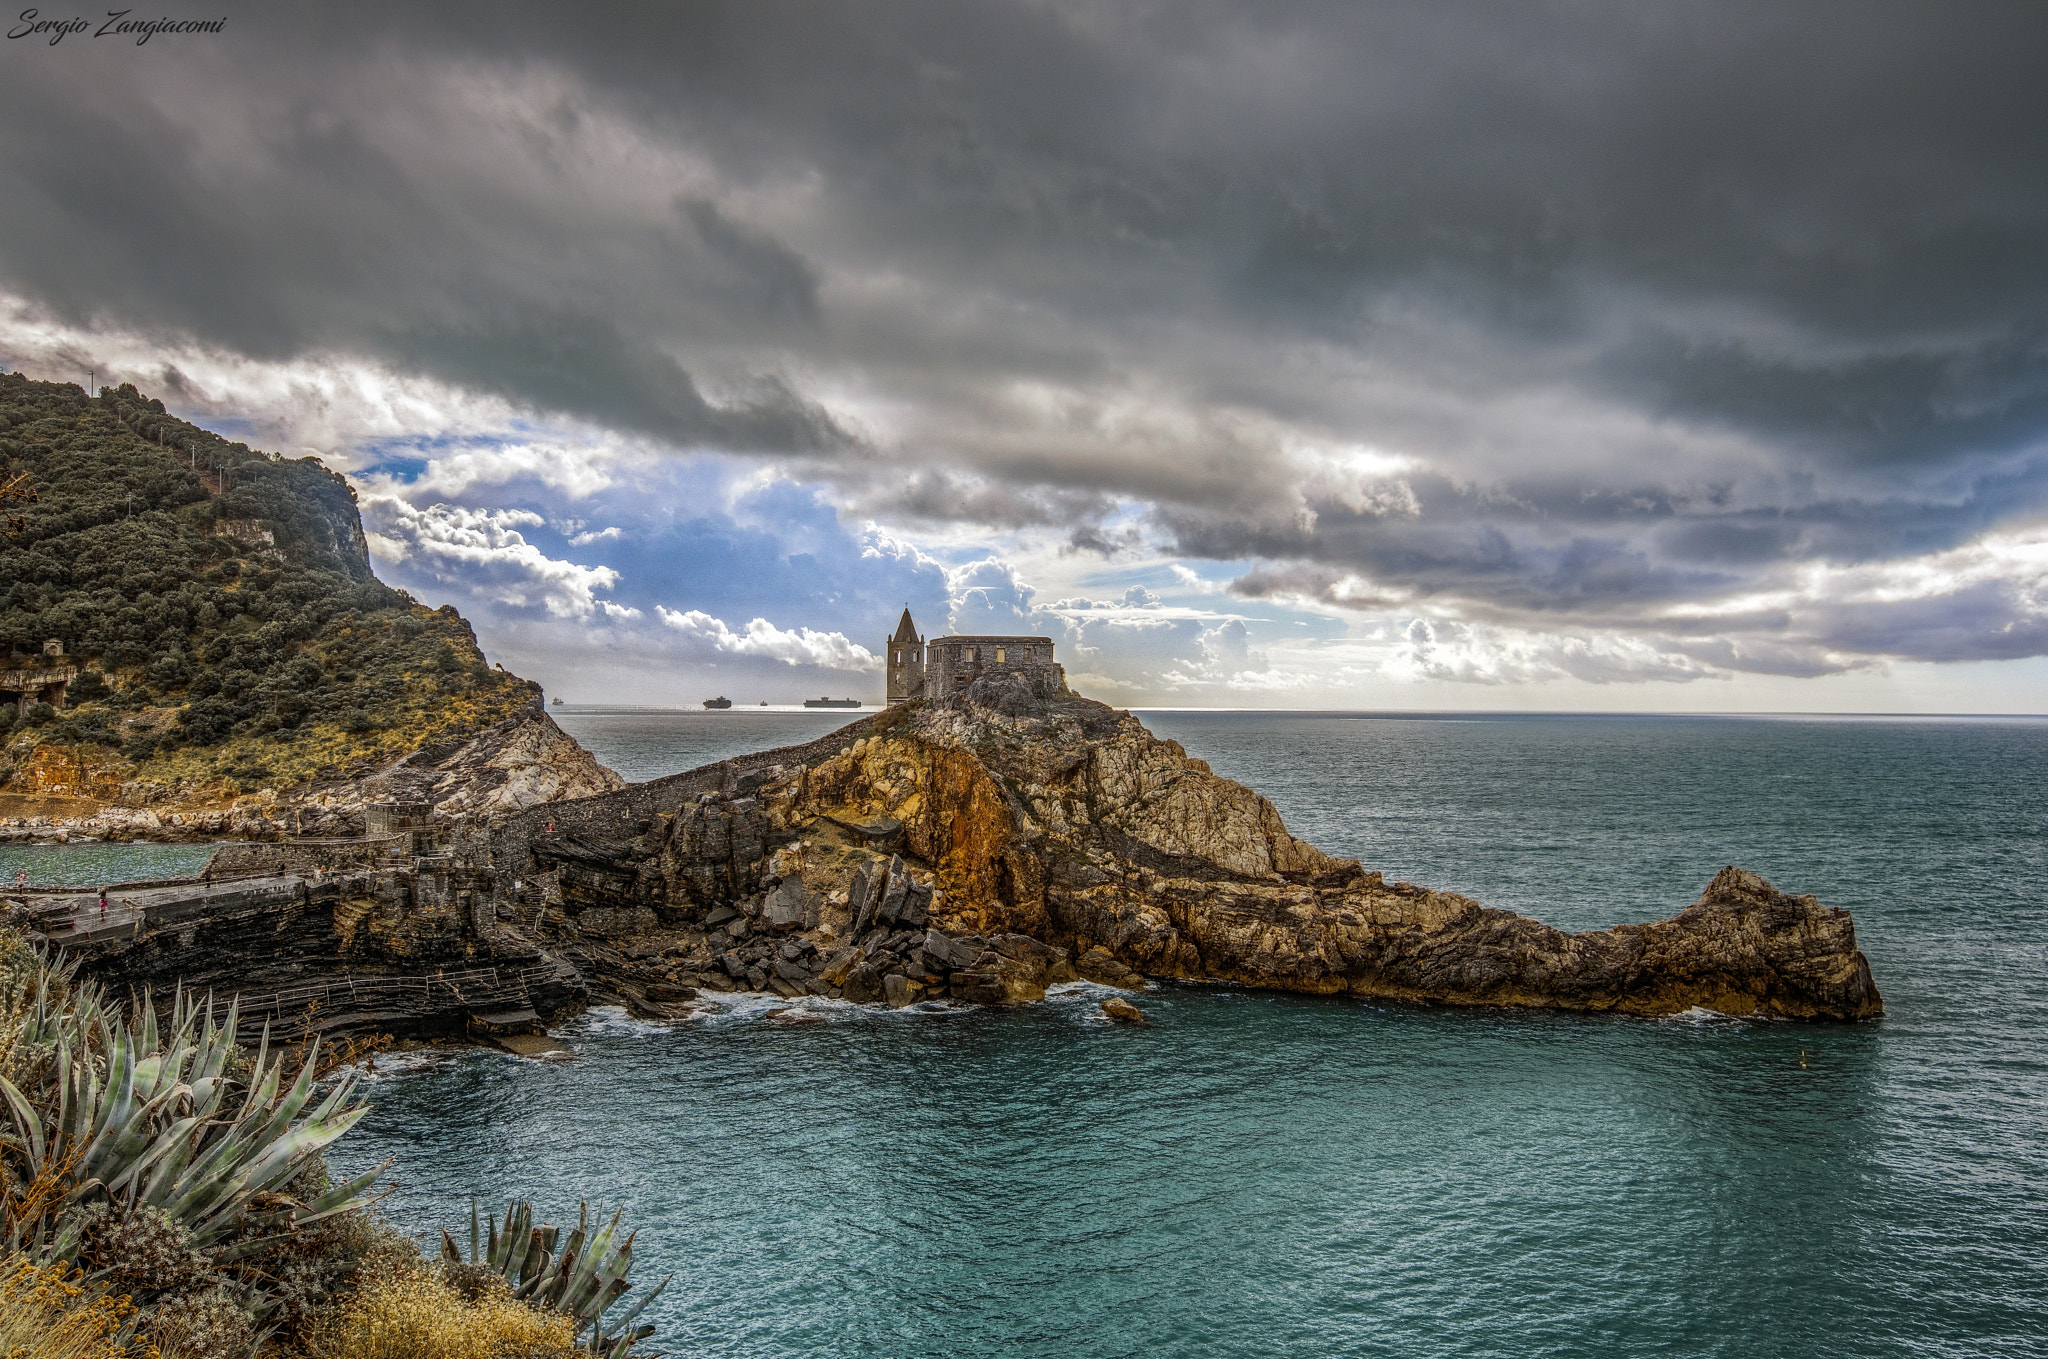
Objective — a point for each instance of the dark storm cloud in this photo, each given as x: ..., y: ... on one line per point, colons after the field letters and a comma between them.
x: 1657, y: 303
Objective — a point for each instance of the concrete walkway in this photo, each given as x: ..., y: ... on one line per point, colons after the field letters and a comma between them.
x: 70, y: 917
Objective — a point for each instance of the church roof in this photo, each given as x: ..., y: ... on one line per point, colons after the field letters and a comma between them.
x: 906, y: 631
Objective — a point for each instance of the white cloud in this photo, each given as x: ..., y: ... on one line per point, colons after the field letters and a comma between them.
x: 486, y: 551
x: 594, y: 536
x: 798, y: 646
x: 1430, y: 650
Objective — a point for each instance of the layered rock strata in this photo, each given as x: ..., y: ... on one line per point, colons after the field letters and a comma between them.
x: 986, y: 845
x: 406, y: 947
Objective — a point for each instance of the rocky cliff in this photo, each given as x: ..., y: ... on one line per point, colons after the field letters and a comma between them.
x: 989, y: 844
x: 236, y: 666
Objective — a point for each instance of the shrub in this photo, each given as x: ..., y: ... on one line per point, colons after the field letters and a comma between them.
x: 208, y: 1325
x: 418, y: 1315
x: 46, y: 1314
x: 142, y: 1253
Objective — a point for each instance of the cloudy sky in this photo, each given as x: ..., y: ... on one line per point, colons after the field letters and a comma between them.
x: 1425, y: 355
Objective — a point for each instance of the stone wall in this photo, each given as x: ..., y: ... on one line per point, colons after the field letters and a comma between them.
x: 303, y: 856
x: 953, y: 663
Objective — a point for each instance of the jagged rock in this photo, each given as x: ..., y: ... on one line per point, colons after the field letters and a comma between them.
x: 979, y: 988
x: 787, y: 1015
x: 899, y: 991
x: 1121, y: 1010
x: 841, y: 965
x: 787, y: 905
x: 863, y: 985
x: 1104, y: 968
x: 945, y: 954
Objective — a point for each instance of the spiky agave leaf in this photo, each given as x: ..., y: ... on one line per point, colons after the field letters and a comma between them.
x: 582, y: 1280
x: 142, y: 1115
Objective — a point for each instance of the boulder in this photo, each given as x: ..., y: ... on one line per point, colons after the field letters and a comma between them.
x: 979, y: 988
x: 943, y: 953
x: 900, y: 991
x: 839, y: 966
x: 1122, y: 1011
x: 891, y: 907
x: 790, y: 1015
x: 862, y: 893
x: 863, y: 985
x: 787, y: 906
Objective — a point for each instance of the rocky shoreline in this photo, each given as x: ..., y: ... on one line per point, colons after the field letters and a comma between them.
x: 975, y: 850
x: 1017, y: 831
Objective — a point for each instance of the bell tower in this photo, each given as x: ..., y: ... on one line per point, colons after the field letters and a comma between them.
x: 906, y: 661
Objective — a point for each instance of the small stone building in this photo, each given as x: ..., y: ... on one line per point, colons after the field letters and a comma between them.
x: 42, y: 681
x: 946, y: 665
x: 384, y: 820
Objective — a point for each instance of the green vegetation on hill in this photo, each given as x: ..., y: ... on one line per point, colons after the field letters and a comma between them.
x: 219, y: 599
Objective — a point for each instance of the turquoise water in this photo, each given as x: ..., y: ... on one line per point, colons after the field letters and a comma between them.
x: 1269, y: 1175
x: 91, y: 865
x: 646, y: 745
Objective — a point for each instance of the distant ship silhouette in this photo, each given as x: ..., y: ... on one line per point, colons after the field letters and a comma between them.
x: 831, y: 703
x: 720, y: 702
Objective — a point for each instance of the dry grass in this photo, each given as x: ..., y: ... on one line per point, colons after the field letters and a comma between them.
x: 418, y: 1315
x: 46, y: 1315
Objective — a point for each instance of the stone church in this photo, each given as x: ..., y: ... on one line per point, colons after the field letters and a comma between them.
x: 949, y: 664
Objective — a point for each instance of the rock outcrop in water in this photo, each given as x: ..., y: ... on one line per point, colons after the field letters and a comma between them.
x: 990, y: 844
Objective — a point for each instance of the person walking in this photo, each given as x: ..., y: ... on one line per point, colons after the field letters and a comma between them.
x: 103, y: 901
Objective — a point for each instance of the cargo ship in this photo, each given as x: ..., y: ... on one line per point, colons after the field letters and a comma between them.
x: 720, y: 702
x: 831, y: 703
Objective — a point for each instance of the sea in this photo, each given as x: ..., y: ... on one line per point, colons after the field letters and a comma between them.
x: 1255, y: 1174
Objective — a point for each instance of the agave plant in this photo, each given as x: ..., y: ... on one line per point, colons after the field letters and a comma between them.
x: 581, y: 1279
x: 127, y: 1113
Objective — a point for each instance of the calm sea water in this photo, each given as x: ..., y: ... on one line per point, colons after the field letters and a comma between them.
x: 89, y: 865
x: 1267, y: 1175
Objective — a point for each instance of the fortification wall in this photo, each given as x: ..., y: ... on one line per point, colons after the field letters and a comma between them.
x: 303, y: 856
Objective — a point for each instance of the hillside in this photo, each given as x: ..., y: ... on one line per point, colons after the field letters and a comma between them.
x: 220, y: 605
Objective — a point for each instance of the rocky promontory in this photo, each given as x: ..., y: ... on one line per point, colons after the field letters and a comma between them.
x: 984, y: 846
